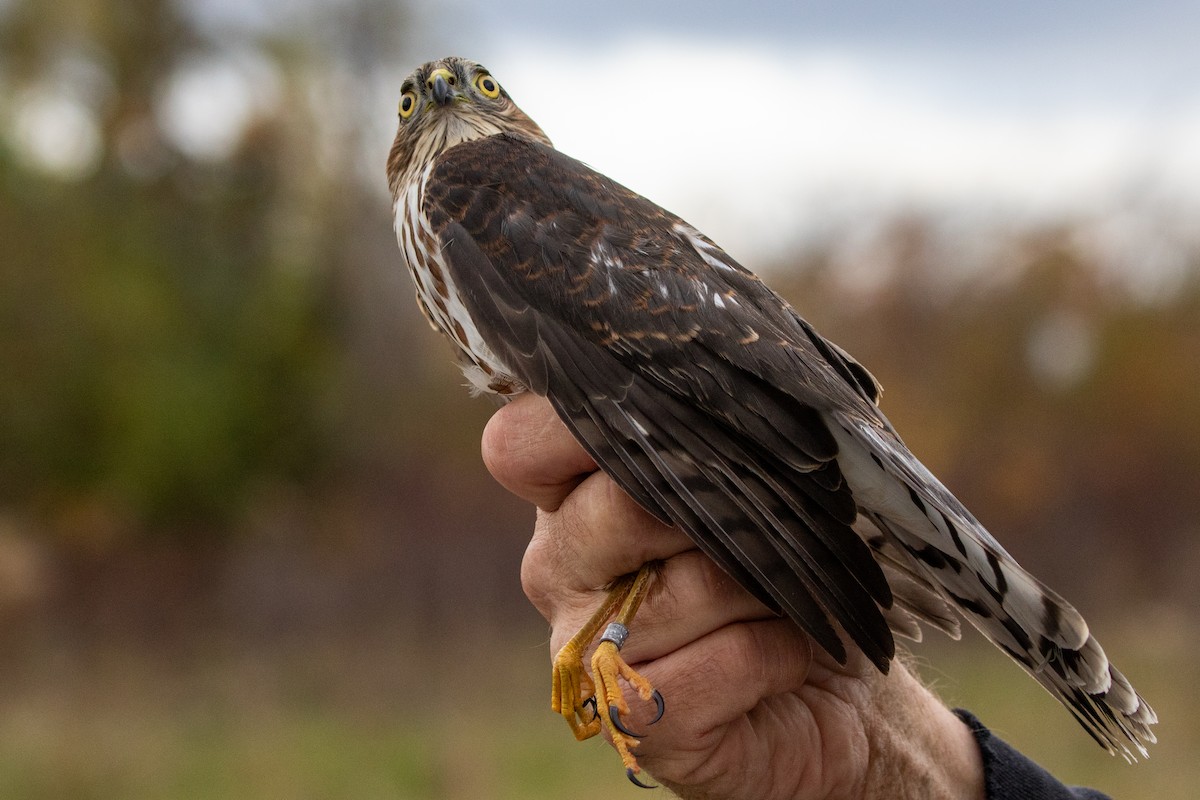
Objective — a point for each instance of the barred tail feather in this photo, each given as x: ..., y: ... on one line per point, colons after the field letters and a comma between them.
x: 924, y: 530
x: 1116, y: 716
x: 917, y: 601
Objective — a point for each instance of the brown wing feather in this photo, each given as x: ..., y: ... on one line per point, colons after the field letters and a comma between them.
x: 697, y: 389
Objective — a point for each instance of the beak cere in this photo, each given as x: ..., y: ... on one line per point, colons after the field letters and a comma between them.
x: 440, y: 86
x: 441, y: 91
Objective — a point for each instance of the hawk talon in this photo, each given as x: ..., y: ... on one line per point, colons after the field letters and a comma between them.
x: 629, y: 773
x: 614, y: 714
x: 660, y: 706
x: 591, y: 703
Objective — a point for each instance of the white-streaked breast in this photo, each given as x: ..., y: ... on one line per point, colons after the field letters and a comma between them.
x: 438, y: 294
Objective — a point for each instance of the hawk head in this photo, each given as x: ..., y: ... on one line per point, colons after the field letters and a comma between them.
x: 448, y: 102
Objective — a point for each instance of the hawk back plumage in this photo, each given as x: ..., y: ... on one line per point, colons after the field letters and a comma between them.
x: 706, y: 397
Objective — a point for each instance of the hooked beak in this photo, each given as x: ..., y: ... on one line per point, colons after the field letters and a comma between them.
x: 441, y: 86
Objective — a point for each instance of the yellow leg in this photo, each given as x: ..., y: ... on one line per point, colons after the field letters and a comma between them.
x: 571, y: 686
x: 573, y: 692
x: 608, y: 668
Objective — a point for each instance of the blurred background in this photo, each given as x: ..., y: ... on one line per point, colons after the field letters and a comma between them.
x: 247, y: 547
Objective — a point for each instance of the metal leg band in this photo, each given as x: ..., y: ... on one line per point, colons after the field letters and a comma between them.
x: 615, y: 633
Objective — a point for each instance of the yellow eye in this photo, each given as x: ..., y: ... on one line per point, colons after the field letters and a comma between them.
x: 487, y: 85
x: 408, y: 104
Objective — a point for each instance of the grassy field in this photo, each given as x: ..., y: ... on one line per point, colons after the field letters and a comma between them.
x: 316, y: 722
x: 393, y: 721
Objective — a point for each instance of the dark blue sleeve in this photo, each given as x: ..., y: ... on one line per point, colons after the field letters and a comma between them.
x: 1008, y: 775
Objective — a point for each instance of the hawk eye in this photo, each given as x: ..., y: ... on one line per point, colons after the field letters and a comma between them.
x: 408, y: 104
x: 487, y: 85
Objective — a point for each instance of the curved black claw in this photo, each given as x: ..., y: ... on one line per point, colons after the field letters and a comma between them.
x: 615, y: 716
x: 591, y: 703
x: 629, y: 773
x: 660, y: 707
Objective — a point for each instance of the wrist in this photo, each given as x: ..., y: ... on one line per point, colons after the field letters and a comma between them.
x: 918, y: 747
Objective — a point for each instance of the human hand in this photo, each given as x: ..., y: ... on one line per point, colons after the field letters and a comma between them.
x: 754, y: 708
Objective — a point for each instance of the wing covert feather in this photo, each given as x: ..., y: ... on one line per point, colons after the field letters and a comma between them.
x: 591, y: 304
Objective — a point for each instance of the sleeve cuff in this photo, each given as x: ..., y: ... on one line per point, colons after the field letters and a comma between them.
x: 1008, y: 775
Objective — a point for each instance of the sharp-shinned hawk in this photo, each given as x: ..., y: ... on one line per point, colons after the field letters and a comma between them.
x: 707, y: 398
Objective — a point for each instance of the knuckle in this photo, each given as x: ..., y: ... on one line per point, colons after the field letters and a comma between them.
x: 537, y: 575
x: 497, y: 449
x: 545, y: 573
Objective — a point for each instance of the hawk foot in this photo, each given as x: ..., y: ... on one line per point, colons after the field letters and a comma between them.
x: 573, y: 694
x: 608, y: 669
x: 576, y: 696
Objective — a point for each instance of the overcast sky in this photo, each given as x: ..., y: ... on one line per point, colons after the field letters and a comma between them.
x: 852, y: 21
x: 763, y: 121
x: 768, y: 122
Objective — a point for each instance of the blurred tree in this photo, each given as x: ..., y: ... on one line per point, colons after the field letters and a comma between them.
x: 200, y: 301
x: 1053, y: 401
x: 169, y: 330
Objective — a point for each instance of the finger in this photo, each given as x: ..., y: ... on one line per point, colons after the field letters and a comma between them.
x: 691, y: 598
x: 598, y: 533
x: 716, y: 679
x: 531, y: 453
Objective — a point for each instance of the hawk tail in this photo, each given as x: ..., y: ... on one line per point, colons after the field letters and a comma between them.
x: 925, y: 534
